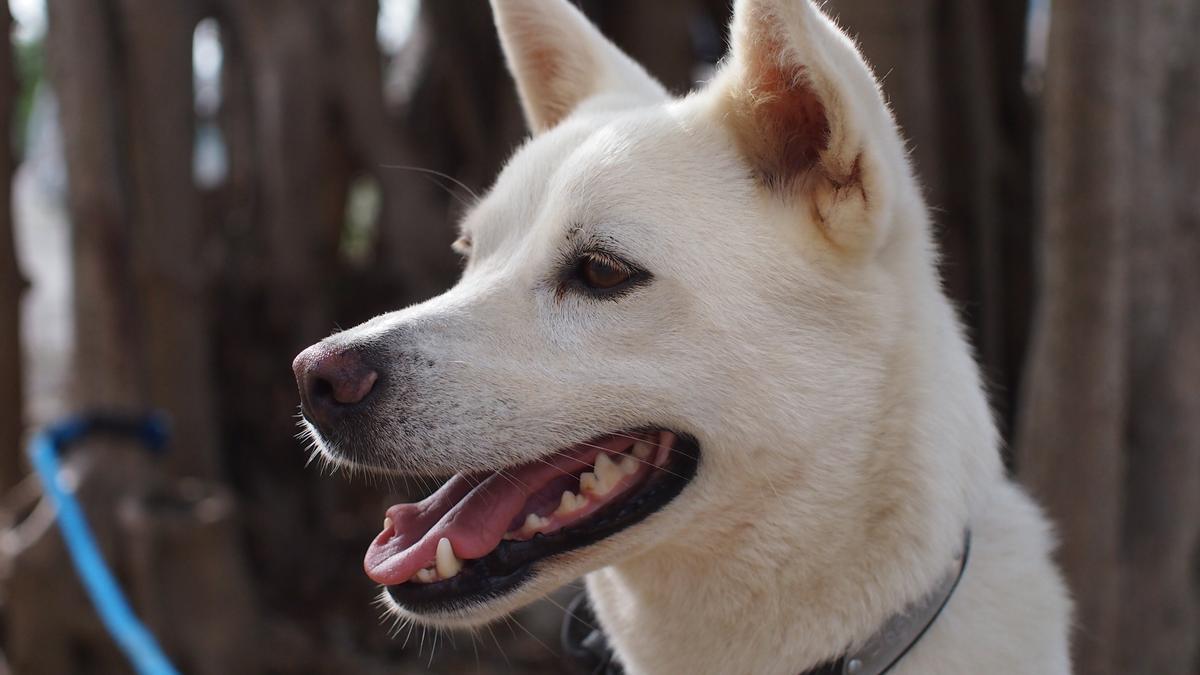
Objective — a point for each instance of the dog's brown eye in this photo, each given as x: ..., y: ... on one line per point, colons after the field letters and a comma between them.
x: 601, y: 274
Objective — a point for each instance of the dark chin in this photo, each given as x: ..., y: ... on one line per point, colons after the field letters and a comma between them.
x: 514, y: 563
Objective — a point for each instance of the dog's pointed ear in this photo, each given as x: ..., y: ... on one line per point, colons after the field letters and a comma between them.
x: 560, y: 60
x: 807, y: 114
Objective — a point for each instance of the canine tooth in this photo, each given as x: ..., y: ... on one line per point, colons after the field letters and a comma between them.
x: 629, y: 465
x: 387, y: 524
x: 607, y: 471
x: 426, y: 576
x: 642, y: 450
x: 448, y: 564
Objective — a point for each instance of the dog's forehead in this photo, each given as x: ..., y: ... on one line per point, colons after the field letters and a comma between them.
x: 623, y: 171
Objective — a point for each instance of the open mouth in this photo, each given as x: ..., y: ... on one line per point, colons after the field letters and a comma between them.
x: 479, y: 535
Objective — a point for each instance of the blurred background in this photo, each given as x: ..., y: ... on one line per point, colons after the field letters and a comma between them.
x: 191, y: 191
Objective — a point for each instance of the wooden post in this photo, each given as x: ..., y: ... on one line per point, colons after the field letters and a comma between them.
x: 1072, y: 433
x: 10, y: 276
x: 122, y: 73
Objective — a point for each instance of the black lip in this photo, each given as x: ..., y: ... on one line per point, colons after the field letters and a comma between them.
x: 513, y: 563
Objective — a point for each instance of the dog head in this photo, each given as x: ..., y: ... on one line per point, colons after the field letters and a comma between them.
x: 667, y: 305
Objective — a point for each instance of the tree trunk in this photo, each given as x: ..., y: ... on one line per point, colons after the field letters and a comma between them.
x: 55, y: 633
x: 122, y: 72
x: 658, y: 35
x: 1072, y: 430
x: 281, y: 214
x: 459, y: 127
x: 10, y: 276
x: 1111, y: 428
x: 169, y: 252
x: 1159, y: 619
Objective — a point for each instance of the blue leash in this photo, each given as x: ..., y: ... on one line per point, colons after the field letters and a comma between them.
x: 130, y: 634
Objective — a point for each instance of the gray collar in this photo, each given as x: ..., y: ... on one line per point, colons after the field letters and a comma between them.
x: 905, y: 629
x: 587, y: 648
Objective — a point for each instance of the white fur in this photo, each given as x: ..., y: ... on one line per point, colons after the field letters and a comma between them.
x: 845, y: 434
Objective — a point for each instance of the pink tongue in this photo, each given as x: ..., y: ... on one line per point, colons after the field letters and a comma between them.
x: 473, y: 513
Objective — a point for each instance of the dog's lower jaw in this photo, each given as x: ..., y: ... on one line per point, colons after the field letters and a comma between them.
x: 673, y: 612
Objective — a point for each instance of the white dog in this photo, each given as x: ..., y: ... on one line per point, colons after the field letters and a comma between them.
x: 700, y: 354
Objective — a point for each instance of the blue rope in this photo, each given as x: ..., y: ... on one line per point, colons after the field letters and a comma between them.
x: 130, y: 634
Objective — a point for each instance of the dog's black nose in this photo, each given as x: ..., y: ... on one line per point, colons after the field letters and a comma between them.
x: 331, y: 382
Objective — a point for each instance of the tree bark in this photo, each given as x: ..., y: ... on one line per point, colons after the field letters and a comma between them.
x: 122, y: 73
x: 459, y: 127
x: 658, y: 35
x: 1160, y: 602
x: 55, y: 634
x: 169, y: 263
x: 284, y: 206
x: 1071, y: 434
x: 10, y: 276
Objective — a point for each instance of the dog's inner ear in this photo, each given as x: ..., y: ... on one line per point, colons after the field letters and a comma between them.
x: 781, y: 122
x: 560, y: 61
x: 794, y: 93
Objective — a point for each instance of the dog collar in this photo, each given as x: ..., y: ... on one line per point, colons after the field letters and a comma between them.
x: 587, y: 646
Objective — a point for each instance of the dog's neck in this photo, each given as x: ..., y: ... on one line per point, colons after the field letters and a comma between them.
x: 793, y: 583
x: 899, y: 634
x: 771, y: 608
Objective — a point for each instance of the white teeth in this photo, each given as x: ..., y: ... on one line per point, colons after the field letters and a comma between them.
x: 387, y: 524
x: 642, y: 450
x: 567, y: 503
x: 666, y: 441
x: 629, y: 465
x: 534, y: 522
x: 426, y: 576
x: 570, y: 503
x: 589, y: 483
x: 596, y: 485
x: 448, y: 564
x: 607, y: 472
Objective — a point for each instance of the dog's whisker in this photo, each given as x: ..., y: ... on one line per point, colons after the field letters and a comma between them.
x: 412, y: 625
x: 569, y: 613
x: 440, y: 174
x: 642, y: 461
x: 638, y: 459
x: 508, y: 619
x: 475, y: 649
x: 618, y: 434
x: 515, y: 482
x: 397, y: 625
x: 499, y: 647
x: 559, y: 469
x: 532, y: 635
